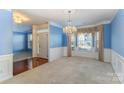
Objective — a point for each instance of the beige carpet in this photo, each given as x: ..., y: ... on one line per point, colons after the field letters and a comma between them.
x: 73, y: 70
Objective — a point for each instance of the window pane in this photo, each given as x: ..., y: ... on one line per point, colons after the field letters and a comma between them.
x: 29, y: 41
x: 85, y: 41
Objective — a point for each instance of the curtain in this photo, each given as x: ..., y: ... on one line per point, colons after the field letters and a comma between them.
x: 93, y: 30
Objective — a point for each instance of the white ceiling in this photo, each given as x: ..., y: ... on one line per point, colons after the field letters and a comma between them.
x: 80, y: 17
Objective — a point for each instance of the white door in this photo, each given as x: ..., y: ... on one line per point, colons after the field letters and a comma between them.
x: 43, y: 45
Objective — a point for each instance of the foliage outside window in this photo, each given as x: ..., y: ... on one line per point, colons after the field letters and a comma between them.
x: 84, y: 41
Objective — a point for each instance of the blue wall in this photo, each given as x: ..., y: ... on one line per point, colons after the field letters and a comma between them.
x: 20, y: 37
x: 64, y: 41
x: 117, y: 33
x: 5, y: 32
x: 57, y: 37
x: 107, y: 36
x: 19, y: 42
x: 22, y: 27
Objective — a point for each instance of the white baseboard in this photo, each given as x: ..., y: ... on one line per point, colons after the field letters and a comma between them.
x: 107, y: 55
x: 118, y: 65
x: 64, y: 51
x: 81, y: 53
x: 55, y: 53
x: 6, y: 67
x: 85, y: 54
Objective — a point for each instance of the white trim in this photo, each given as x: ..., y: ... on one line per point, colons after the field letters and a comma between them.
x: 56, y: 53
x: 107, y: 55
x: 114, y: 16
x: 118, y: 65
x: 55, y: 24
x: 101, y: 23
x: 43, y: 30
x: 64, y: 51
x: 49, y: 42
x: 8, y: 56
x: 76, y: 52
x: 6, y: 67
x: 88, y: 54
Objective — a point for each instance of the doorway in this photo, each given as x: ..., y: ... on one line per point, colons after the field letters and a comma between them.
x: 40, y: 44
x: 42, y: 41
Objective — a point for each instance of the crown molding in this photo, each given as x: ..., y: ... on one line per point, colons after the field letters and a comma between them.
x: 114, y: 16
x: 55, y: 24
x: 101, y: 23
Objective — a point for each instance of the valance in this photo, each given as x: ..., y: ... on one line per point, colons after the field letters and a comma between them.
x: 90, y: 29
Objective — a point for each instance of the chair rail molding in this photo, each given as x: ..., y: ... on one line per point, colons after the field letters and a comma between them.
x: 6, y: 67
x: 117, y: 62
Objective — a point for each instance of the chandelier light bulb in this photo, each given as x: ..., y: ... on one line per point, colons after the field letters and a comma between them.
x: 69, y: 28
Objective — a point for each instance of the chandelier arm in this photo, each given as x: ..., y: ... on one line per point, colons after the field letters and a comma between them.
x: 69, y: 28
x: 69, y: 17
x: 69, y: 22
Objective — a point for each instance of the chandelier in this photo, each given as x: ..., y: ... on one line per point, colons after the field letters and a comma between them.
x: 69, y: 28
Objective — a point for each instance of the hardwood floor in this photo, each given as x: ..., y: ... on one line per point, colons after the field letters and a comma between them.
x: 22, y: 66
x: 38, y: 61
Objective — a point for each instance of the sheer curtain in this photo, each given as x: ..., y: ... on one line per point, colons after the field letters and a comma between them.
x: 89, y: 40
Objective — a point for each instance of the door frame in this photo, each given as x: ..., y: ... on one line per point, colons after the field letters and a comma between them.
x: 39, y: 32
x: 35, y: 28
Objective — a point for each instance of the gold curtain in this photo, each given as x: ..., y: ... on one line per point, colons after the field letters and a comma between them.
x: 95, y: 29
x: 90, y: 29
